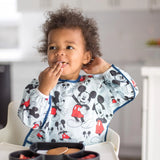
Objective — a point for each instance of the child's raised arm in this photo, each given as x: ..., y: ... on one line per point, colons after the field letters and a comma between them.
x: 97, y: 66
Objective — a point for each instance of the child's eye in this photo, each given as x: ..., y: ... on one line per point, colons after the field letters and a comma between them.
x: 52, y: 48
x: 69, y: 47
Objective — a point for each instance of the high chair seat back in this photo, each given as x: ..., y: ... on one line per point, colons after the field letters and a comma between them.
x: 15, y: 131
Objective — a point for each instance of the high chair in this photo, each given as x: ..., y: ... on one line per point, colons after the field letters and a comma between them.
x: 114, y: 139
x: 15, y: 131
x: 111, y: 144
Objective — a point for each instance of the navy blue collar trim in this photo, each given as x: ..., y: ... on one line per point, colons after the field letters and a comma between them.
x: 72, y: 81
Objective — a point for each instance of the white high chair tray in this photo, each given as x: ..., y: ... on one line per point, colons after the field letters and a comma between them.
x: 105, y: 150
x: 7, y: 148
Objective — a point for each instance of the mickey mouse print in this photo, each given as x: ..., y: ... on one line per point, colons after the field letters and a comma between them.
x: 79, y: 111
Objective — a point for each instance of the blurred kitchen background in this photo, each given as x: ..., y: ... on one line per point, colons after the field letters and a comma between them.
x: 124, y: 27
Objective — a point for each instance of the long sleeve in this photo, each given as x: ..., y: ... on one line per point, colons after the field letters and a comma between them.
x: 33, y: 107
x: 122, y: 88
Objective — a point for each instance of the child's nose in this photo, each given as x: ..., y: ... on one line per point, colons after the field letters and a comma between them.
x: 60, y: 52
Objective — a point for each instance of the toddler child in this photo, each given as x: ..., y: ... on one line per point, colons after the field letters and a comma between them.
x: 62, y: 105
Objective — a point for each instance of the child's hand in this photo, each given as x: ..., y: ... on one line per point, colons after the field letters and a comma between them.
x: 49, y: 78
x: 97, y: 66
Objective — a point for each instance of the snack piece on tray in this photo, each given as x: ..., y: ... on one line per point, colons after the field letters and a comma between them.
x: 88, y: 157
x: 72, y: 150
x: 57, y: 151
x: 24, y: 157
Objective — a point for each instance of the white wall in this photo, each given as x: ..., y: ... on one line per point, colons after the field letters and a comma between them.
x: 123, y: 36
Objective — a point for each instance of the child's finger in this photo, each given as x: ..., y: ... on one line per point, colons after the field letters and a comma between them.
x: 52, y: 68
x: 57, y: 68
x: 59, y: 73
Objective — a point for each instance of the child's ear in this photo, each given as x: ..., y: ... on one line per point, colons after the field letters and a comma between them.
x: 87, y: 57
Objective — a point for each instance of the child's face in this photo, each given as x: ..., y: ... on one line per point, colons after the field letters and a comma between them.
x: 67, y: 46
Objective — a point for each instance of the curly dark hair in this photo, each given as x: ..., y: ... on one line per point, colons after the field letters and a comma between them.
x: 71, y: 18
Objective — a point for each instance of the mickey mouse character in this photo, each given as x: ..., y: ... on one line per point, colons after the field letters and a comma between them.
x: 86, y: 134
x: 31, y: 86
x: 36, y: 125
x: 49, y: 130
x: 26, y: 103
x: 40, y: 134
x: 100, y: 111
x: 118, y: 80
x: 32, y: 111
x: 82, y: 101
x: 57, y: 102
x: 62, y: 133
x: 66, y: 90
x: 83, y: 78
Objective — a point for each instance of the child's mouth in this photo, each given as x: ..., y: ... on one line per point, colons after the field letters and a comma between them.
x: 63, y: 63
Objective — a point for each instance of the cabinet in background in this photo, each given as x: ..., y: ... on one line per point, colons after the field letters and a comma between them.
x: 154, y: 4
x: 133, y: 4
x: 88, y: 5
x: 151, y: 113
x: 104, y: 5
x: 5, y: 91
